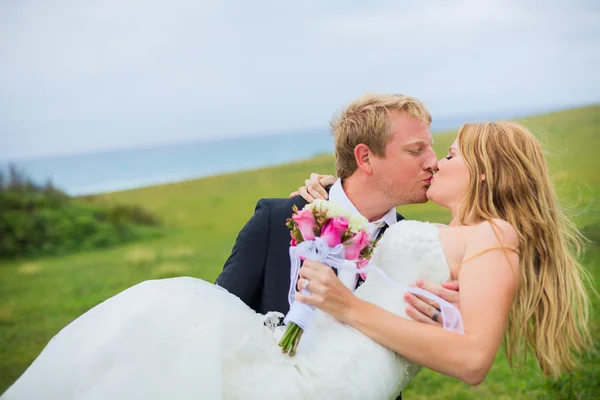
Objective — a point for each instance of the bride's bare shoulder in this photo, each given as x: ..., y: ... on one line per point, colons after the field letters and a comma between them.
x: 495, y: 232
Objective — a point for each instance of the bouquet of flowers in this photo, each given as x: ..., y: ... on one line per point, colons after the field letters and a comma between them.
x: 322, y: 231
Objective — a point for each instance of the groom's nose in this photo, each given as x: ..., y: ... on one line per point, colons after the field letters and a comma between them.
x: 431, y: 162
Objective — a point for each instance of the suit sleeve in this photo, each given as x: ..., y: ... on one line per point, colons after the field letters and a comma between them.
x: 243, y: 271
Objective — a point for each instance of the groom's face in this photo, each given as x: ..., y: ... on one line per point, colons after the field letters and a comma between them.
x: 404, y: 174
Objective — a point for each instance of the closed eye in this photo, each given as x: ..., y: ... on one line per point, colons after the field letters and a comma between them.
x: 448, y: 157
x: 416, y: 151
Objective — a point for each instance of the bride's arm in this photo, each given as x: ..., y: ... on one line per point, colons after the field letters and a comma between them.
x: 488, y: 284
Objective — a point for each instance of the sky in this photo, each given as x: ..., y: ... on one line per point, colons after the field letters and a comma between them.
x: 80, y: 76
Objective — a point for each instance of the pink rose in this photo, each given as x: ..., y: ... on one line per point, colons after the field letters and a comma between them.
x: 293, y: 242
x: 333, y: 230
x: 356, y: 244
x: 306, y: 222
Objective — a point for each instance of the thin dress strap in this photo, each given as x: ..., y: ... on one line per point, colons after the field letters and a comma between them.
x: 488, y: 250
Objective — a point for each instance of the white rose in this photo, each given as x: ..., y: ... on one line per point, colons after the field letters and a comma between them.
x: 319, y: 205
x: 335, y: 210
x: 357, y: 222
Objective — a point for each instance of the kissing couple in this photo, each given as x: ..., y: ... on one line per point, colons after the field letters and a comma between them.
x: 509, y: 248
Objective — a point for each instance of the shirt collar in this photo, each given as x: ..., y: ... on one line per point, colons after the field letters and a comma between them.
x: 337, y: 194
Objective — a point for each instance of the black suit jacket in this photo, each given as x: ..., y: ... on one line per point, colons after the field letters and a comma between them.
x: 258, y: 269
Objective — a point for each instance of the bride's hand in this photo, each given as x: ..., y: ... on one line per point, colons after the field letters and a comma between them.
x: 424, y: 310
x: 328, y: 293
x: 314, y: 187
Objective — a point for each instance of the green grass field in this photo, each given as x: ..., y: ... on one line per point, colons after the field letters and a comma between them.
x: 202, y: 218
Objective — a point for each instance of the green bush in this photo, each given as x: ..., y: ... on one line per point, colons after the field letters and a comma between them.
x: 44, y: 220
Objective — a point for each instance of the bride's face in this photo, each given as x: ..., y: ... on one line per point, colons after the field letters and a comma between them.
x: 451, y: 181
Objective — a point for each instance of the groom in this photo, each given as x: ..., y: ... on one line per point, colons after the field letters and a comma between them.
x: 384, y: 159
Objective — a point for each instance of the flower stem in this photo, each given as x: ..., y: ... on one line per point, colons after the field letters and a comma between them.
x: 296, y: 341
x: 284, y: 337
x: 287, y: 340
x: 293, y: 330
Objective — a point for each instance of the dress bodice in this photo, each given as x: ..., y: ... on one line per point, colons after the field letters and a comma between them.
x: 407, y: 252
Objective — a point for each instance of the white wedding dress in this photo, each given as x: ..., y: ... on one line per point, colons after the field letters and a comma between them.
x: 184, y: 338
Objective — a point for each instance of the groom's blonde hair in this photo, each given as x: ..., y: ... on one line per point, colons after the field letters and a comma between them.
x: 550, y: 311
x: 365, y: 121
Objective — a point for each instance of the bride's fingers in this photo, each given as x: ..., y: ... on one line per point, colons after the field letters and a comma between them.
x: 314, y: 187
x: 311, y: 300
x: 316, y: 266
x: 318, y: 192
x: 312, y: 285
x: 301, y: 282
x: 424, y: 309
x: 327, y: 180
x: 305, y: 195
x: 314, y: 177
x: 312, y: 274
x: 321, y: 278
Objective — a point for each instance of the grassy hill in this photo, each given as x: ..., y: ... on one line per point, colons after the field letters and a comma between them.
x: 202, y: 218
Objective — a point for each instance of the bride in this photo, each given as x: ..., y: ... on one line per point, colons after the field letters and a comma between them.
x: 510, y: 247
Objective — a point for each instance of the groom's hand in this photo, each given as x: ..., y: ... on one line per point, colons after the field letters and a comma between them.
x: 425, y: 310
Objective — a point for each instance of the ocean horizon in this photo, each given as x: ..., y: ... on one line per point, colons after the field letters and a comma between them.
x: 123, y: 169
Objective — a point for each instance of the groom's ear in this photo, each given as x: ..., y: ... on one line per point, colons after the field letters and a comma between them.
x: 362, y: 155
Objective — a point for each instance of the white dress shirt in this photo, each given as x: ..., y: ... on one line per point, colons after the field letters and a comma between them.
x: 337, y: 194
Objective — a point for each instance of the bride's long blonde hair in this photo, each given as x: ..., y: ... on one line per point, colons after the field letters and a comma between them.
x: 550, y: 311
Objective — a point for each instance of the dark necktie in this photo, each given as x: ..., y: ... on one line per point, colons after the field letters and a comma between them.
x: 360, y: 280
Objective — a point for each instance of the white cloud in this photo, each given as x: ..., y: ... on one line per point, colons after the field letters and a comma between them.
x: 103, y: 74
